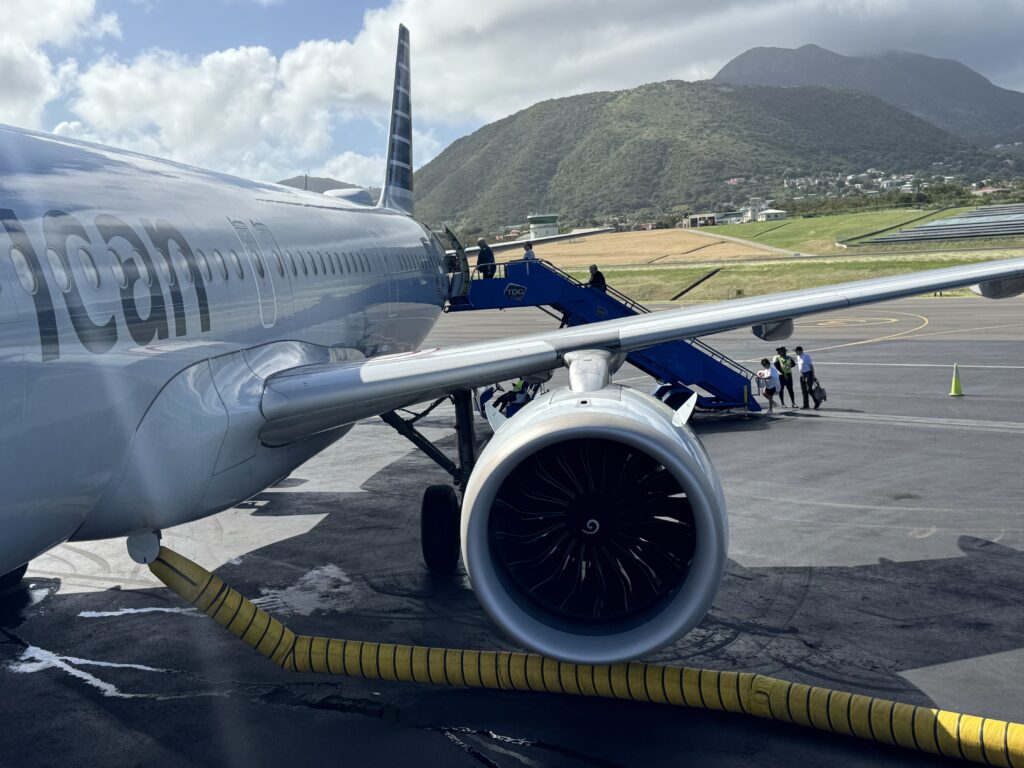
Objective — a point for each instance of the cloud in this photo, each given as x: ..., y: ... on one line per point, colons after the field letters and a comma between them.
x: 30, y: 78
x: 248, y: 111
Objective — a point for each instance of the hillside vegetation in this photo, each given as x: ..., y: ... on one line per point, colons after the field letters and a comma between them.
x: 671, y: 144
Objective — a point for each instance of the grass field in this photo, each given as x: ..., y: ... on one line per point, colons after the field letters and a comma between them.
x: 819, y: 234
x: 655, y: 265
x: 656, y: 283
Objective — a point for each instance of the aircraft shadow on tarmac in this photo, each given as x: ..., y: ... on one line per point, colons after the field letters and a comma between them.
x: 358, y: 574
x: 846, y: 627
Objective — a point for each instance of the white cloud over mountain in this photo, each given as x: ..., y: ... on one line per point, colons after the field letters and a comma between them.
x: 248, y: 111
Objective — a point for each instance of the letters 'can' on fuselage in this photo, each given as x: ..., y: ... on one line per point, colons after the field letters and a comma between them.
x: 142, y: 299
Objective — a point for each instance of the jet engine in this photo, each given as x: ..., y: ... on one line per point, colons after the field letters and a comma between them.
x: 1000, y: 289
x: 779, y: 330
x: 594, y: 526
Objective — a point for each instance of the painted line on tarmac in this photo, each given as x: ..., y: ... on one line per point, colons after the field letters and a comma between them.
x: 918, y: 365
x: 922, y: 318
x: 963, y: 330
x: 921, y: 421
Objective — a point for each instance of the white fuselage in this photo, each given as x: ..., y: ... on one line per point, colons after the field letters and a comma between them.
x: 142, y: 304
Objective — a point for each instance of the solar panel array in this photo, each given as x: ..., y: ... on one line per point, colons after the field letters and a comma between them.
x: 987, y: 221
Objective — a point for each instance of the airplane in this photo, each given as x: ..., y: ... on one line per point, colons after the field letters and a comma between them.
x: 175, y: 340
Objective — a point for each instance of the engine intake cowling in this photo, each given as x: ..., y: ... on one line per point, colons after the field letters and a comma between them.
x: 593, y: 527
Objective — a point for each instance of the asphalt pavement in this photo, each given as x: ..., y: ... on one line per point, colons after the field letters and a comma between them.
x: 877, y: 547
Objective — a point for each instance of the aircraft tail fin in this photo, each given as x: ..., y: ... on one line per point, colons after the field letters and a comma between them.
x: 397, y: 191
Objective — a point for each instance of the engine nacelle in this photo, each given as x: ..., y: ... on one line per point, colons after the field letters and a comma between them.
x: 777, y: 330
x: 593, y: 527
x: 1000, y: 289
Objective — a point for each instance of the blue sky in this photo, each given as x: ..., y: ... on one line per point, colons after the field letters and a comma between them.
x: 272, y: 88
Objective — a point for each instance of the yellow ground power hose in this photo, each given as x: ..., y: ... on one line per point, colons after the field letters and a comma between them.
x: 982, y: 740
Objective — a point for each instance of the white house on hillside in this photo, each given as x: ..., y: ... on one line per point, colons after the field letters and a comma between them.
x: 771, y: 214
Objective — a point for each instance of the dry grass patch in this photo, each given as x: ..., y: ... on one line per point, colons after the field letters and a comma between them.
x: 620, y: 249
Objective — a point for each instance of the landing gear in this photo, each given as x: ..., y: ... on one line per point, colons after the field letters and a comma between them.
x: 12, y: 579
x: 440, y: 514
x: 439, y: 529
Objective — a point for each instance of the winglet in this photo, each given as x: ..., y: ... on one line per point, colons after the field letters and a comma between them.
x: 685, y: 411
x: 397, y: 191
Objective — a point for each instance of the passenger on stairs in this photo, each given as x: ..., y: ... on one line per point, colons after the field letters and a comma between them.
x: 528, y: 253
x: 485, y: 260
x: 597, y: 279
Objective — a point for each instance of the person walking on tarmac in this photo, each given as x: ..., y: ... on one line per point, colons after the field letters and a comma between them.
x: 806, y: 367
x: 485, y: 260
x: 784, y: 364
x: 768, y: 379
x: 597, y: 279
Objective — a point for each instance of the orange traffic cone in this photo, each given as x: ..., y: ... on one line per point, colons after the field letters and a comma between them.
x: 954, y: 389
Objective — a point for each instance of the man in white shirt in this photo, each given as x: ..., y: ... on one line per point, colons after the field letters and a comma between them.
x: 806, y: 366
x: 528, y: 253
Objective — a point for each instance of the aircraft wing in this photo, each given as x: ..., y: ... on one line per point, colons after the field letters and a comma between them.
x: 539, y: 241
x: 303, y: 401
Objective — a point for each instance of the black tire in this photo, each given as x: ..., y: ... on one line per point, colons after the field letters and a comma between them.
x: 439, y: 529
x: 12, y: 579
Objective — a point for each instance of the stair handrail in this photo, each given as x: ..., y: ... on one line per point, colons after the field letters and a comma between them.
x: 618, y: 295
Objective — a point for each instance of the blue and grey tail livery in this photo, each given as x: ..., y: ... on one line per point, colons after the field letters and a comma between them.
x: 397, y: 192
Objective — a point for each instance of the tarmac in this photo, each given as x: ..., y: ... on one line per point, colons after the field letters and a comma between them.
x: 877, y: 547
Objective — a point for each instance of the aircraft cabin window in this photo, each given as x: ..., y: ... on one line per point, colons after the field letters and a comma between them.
x: 279, y: 264
x: 366, y: 262
x: 163, y: 265
x: 260, y: 269
x: 312, y: 262
x: 26, y: 276
x: 337, y: 261
x: 59, y: 269
x: 302, y: 263
x: 117, y: 268
x: 325, y: 262
x: 140, y: 265
x: 238, y: 265
x: 291, y: 261
x: 220, y: 265
x: 89, y: 268
x: 204, y: 266
x: 183, y: 266
x: 348, y: 263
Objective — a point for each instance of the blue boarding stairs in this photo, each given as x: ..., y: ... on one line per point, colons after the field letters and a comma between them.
x: 681, y: 367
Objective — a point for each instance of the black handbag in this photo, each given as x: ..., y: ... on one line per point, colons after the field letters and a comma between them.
x: 818, y: 391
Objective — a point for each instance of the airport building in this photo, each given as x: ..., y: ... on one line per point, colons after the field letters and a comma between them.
x: 543, y: 225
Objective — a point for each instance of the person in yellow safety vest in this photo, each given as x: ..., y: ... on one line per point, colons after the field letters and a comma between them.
x: 784, y: 364
x: 517, y: 394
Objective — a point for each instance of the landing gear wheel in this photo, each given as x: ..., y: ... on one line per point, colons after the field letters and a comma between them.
x: 439, y: 529
x: 12, y: 579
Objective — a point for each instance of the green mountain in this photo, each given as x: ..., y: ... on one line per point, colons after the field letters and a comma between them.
x: 672, y: 144
x: 941, y: 91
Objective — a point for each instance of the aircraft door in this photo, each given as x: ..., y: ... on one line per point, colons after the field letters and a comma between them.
x: 279, y: 274
x: 261, y: 271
